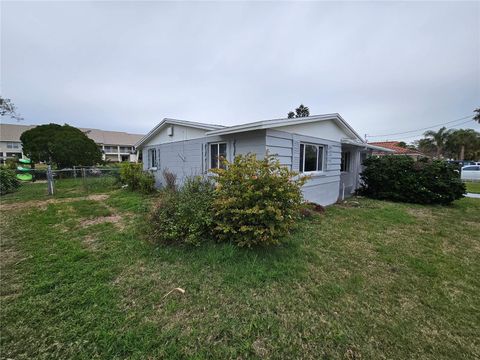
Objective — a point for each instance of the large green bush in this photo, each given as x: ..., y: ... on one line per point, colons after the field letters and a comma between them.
x: 8, y: 181
x: 133, y: 175
x: 401, y: 178
x: 256, y: 201
x: 184, y: 216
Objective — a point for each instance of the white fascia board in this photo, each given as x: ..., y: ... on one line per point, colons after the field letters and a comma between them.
x: 268, y: 124
x: 365, y: 145
x: 168, y: 121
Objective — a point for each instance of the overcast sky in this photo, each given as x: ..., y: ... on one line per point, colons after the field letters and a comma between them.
x: 385, y: 67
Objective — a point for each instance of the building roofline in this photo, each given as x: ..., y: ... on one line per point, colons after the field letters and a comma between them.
x: 169, y: 121
x: 267, y: 124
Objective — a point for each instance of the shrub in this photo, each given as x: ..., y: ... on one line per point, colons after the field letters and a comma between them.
x: 132, y: 175
x: 400, y: 178
x: 256, y: 201
x: 184, y: 216
x: 8, y: 181
x: 170, y: 179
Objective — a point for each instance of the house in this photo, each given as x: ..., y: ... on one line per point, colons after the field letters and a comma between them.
x: 396, y: 149
x: 323, y: 146
x: 116, y: 146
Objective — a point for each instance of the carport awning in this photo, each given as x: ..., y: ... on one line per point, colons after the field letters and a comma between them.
x: 365, y: 145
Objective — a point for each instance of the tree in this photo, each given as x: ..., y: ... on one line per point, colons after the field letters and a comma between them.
x: 426, y: 146
x: 65, y: 146
x: 439, y: 139
x: 463, y: 144
x: 301, y: 111
x: 476, y: 117
x: 8, y: 108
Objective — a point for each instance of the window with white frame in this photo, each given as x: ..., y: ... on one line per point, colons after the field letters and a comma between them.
x: 345, y: 163
x: 152, y: 158
x: 218, y: 153
x: 13, y: 145
x: 311, y: 157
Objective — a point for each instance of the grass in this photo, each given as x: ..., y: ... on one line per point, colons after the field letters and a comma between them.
x: 473, y: 187
x: 367, y: 279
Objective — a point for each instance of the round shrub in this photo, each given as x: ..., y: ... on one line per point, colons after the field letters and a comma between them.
x: 401, y: 178
x: 8, y: 181
x: 256, y: 202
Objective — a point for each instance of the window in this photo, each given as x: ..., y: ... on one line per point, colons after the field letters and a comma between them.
x: 110, y: 149
x: 471, y: 168
x: 125, y: 149
x: 13, y: 145
x: 218, y: 152
x: 152, y: 158
x: 345, y: 164
x: 311, y: 158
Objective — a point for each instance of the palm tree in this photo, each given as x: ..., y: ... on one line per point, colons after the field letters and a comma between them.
x: 463, y: 143
x: 439, y: 139
x: 301, y: 111
x: 476, y: 117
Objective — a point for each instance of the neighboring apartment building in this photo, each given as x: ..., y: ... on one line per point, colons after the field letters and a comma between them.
x: 116, y: 146
x: 397, y: 149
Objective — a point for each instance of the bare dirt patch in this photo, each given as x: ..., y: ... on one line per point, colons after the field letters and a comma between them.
x: 44, y: 203
x: 114, y: 219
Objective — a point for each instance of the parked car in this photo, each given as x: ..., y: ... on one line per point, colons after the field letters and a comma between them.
x: 471, y: 172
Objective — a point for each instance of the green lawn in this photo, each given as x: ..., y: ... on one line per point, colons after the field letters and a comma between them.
x: 473, y: 187
x: 368, y: 279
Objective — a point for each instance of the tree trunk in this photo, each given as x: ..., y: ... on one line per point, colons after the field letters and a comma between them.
x: 462, y: 152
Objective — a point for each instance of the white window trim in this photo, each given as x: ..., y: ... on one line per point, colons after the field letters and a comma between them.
x: 315, y: 172
x: 150, y: 162
x: 210, y: 167
x: 349, y: 163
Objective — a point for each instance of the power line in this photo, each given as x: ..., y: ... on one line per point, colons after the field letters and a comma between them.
x: 426, y: 128
x: 413, y: 136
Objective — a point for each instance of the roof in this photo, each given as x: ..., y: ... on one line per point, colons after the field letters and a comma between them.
x: 168, y: 121
x: 267, y: 124
x: 12, y: 132
x: 396, y: 148
x: 112, y: 137
x: 366, y: 145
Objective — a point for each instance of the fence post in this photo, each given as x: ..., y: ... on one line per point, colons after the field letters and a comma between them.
x: 74, y: 172
x: 50, y: 180
x: 84, y: 180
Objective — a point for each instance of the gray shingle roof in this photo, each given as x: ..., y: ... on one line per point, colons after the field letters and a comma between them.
x: 12, y: 132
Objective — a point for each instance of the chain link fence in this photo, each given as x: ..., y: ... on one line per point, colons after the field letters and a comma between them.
x: 85, y: 179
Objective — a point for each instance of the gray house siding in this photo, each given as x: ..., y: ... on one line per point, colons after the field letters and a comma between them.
x: 320, y: 188
x: 191, y: 157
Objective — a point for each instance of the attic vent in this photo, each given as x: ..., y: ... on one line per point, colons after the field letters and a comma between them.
x: 170, y: 130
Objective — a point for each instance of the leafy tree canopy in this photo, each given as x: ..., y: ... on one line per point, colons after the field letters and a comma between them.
x: 65, y: 146
x: 476, y: 117
x: 301, y: 111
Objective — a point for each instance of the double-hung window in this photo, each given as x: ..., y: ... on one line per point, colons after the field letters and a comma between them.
x: 345, y: 163
x: 311, y: 157
x: 152, y: 158
x: 218, y: 153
